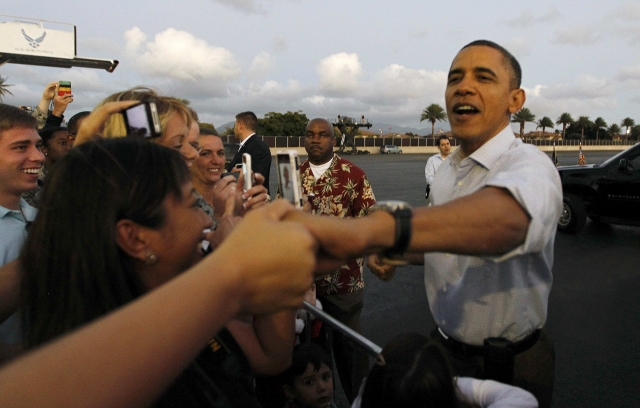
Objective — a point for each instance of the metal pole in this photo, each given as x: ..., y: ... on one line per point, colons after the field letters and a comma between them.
x: 368, y: 346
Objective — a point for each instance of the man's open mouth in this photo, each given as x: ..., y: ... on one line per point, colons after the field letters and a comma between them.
x: 465, y: 109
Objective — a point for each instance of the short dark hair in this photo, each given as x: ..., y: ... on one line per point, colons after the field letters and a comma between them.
x: 205, y: 131
x: 71, y: 249
x: 73, y: 123
x: 327, y: 122
x: 511, y: 62
x: 416, y: 371
x: 443, y: 137
x: 12, y: 117
x: 249, y: 119
x: 47, y: 133
x: 303, y: 355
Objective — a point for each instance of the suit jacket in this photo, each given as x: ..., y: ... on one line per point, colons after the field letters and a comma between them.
x: 260, y: 157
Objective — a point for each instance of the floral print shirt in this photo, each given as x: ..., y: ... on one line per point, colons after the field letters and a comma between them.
x: 342, y: 191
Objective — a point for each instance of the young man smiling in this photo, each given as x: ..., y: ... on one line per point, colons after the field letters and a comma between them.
x: 20, y: 164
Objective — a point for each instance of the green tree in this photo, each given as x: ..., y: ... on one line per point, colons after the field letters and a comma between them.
x: 564, y: 119
x: 584, y: 123
x: 628, y: 122
x: 613, y: 130
x: 3, y: 88
x: 598, y: 124
x: 433, y: 113
x: 544, y: 123
x: 283, y: 124
x: 523, y: 116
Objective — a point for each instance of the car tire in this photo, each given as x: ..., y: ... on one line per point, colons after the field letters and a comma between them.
x: 400, y: 152
x: 573, y: 216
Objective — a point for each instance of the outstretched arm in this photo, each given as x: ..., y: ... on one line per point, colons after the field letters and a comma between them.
x: 129, y: 357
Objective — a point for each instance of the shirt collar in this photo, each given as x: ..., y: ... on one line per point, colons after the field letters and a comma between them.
x: 28, y: 211
x: 489, y: 153
x: 245, y: 140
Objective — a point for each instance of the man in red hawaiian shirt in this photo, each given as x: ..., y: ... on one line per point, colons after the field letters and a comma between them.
x: 338, y: 188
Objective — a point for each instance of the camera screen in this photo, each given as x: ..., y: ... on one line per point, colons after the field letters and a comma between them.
x: 137, y: 121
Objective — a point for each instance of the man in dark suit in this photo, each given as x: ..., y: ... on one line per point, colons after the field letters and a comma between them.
x: 245, y: 130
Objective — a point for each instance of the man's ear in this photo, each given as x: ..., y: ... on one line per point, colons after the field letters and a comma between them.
x: 288, y: 391
x: 517, y: 98
x: 130, y: 238
x: 44, y: 150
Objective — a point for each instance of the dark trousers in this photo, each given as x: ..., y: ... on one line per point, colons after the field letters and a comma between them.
x: 533, y: 368
x: 351, y: 362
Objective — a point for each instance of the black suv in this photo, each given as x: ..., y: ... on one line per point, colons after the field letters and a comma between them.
x: 609, y: 191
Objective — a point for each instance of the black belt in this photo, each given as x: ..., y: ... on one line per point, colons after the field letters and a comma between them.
x: 471, y: 350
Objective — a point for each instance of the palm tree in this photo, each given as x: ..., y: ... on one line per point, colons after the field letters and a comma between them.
x: 522, y: 116
x: 613, y: 130
x: 599, y: 123
x: 544, y: 123
x: 564, y: 119
x: 3, y: 88
x: 584, y: 122
x: 432, y: 113
x: 628, y: 122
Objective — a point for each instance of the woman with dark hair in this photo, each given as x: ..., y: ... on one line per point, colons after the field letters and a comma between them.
x: 417, y: 374
x: 118, y: 219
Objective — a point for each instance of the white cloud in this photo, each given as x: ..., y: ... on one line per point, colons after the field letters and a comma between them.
x: 339, y: 73
x: 249, y: 6
x: 583, y: 86
x: 280, y: 43
x: 582, y: 35
x: 419, y: 33
x: 261, y: 65
x: 518, y: 46
x: 585, y: 96
x: 397, y: 84
x: 629, y: 74
x: 528, y: 18
x: 178, y: 55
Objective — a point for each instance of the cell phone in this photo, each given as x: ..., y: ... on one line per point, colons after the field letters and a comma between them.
x: 289, y: 176
x: 246, y: 171
x: 64, y: 88
x: 142, y: 120
x: 238, y: 165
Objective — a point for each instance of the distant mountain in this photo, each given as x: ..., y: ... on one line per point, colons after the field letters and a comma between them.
x: 221, y: 128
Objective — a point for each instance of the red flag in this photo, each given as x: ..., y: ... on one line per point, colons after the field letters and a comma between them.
x: 581, y: 159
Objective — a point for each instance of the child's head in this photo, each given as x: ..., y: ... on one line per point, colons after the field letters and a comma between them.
x: 309, y: 380
x: 416, y: 374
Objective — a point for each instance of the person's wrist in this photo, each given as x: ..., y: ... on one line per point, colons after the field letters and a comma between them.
x: 379, y: 231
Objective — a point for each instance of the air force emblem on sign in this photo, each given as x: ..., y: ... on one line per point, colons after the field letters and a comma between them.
x: 34, y: 43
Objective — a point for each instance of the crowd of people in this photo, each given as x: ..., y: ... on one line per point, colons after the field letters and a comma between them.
x: 136, y: 274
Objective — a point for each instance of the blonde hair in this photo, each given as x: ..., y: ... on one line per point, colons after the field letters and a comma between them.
x: 167, y: 106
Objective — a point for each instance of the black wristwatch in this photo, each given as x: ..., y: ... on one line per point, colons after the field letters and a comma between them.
x: 402, y: 213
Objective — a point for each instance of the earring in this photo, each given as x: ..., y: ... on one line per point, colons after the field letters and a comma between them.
x: 150, y: 258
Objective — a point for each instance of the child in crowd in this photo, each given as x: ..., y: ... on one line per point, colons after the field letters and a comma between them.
x: 308, y: 383
x: 417, y: 374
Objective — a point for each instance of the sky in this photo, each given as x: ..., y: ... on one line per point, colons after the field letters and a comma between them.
x: 387, y: 60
